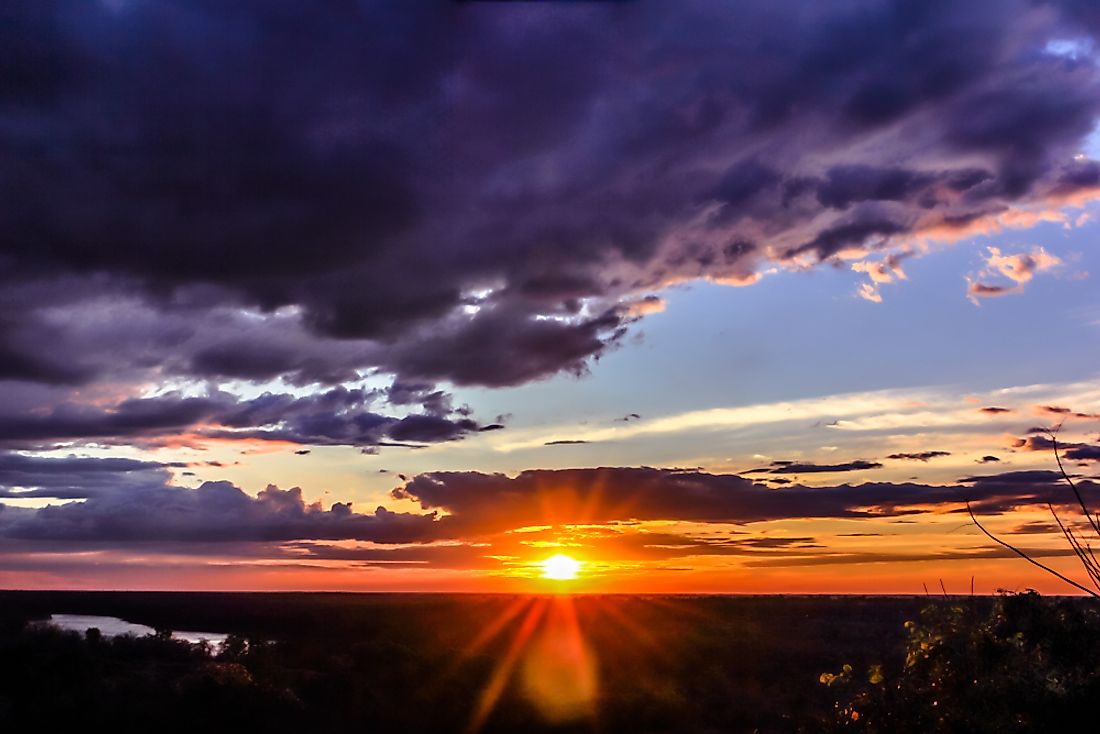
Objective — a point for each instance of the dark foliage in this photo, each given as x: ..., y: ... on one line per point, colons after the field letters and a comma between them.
x: 408, y: 663
x: 394, y: 663
x: 1028, y: 665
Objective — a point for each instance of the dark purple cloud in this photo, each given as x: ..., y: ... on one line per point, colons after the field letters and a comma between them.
x: 338, y: 416
x: 75, y: 477
x: 467, y: 192
x: 919, y: 456
x: 493, y: 502
x: 1067, y: 450
x: 131, y: 504
x: 463, y: 193
x: 793, y: 467
x: 216, y: 512
x: 1083, y: 452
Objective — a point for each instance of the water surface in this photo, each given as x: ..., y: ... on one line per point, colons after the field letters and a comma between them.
x: 113, y: 626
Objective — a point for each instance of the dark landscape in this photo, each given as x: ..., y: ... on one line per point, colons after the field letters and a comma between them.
x: 423, y: 663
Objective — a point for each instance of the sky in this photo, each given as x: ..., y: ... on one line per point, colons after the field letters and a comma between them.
x: 390, y: 296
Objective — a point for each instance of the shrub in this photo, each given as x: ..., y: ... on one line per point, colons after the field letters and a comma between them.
x: 1027, y: 665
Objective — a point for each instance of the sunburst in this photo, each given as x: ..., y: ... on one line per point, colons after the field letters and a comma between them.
x: 561, y: 567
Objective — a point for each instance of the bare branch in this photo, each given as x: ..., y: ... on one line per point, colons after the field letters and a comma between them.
x: 1073, y: 486
x: 1028, y: 558
x: 1086, y: 559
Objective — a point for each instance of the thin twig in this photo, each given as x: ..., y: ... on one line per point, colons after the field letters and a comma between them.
x: 1086, y: 560
x: 1076, y: 492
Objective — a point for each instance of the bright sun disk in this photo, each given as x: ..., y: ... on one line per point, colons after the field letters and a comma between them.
x: 560, y: 568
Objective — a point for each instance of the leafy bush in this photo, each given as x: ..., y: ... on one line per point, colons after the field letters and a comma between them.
x: 1028, y: 665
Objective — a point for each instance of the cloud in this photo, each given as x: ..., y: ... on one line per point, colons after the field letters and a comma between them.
x: 830, y: 559
x: 1083, y: 452
x: 1036, y: 527
x: 1021, y: 267
x: 791, y: 467
x: 483, y: 503
x: 896, y: 411
x: 504, y: 207
x: 1064, y: 411
x: 995, y: 493
x: 215, y: 512
x: 460, y: 519
x: 887, y: 270
x: 75, y: 477
x: 1067, y: 449
x: 1017, y: 270
x: 919, y: 456
x: 1034, y: 443
x: 975, y: 290
x: 338, y: 416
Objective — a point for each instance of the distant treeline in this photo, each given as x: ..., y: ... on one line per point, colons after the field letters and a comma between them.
x: 423, y: 663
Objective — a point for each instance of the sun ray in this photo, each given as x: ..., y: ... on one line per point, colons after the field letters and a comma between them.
x: 503, y: 671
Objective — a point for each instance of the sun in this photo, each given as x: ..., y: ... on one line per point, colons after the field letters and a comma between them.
x: 560, y: 568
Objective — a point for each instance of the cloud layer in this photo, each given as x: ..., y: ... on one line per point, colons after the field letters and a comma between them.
x: 133, y: 502
x: 258, y: 205
x: 265, y: 223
